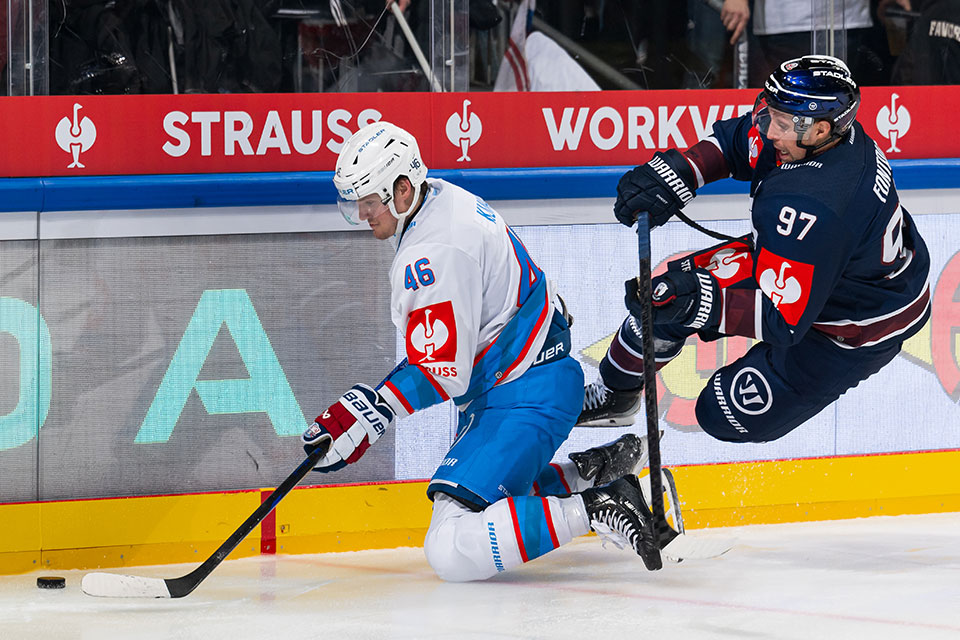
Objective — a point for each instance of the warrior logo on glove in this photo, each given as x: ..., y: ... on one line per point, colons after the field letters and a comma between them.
x: 687, y: 298
x: 670, y: 177
x: 659, y: 188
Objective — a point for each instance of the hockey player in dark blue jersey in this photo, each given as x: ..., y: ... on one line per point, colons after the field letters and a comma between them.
x: 831, y: 282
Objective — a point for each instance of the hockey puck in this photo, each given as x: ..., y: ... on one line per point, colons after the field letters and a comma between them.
x: 51, y: 582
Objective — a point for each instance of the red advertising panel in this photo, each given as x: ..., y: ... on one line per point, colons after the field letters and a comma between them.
x: 115, y: 135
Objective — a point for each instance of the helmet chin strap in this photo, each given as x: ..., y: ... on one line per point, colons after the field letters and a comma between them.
x: 402, y: 217
x: 813, y: 149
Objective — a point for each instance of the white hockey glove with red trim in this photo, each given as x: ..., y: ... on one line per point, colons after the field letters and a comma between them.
x: 352, y: 424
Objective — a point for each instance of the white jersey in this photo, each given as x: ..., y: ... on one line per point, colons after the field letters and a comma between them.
x: 771, y: 17
x: 473, y: 307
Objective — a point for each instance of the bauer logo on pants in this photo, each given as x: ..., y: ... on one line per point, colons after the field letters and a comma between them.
x: 432, y: 334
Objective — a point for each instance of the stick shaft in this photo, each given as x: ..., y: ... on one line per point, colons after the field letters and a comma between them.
x: 116, y: 585
x: 650, y: 374
x: 180, y: 587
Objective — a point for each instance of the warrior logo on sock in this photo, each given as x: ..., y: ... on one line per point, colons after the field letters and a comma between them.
x: 432, y: 334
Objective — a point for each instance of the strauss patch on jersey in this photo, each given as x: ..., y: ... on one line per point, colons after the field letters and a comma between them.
x: 432, y: 334
x: 786, y: 282
x: 754, y: 146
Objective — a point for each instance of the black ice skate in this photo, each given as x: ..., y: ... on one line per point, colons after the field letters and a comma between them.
x: 627, y: 455
x: 605, y: 407
x: 619, y: 514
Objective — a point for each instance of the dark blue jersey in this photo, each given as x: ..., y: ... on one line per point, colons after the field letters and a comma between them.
x: 835, y: 250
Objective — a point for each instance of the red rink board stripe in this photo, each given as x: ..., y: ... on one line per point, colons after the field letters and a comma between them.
x: 268, y: 527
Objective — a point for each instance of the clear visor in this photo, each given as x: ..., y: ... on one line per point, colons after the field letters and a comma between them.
x: 358, y: 211
x: 761, y: 114
x: 772, y: 122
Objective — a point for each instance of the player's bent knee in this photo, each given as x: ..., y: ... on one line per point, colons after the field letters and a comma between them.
x: 457, y: 546
x: 719, y: 420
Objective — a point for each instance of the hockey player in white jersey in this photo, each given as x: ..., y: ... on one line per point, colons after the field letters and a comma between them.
x: 481, y: 327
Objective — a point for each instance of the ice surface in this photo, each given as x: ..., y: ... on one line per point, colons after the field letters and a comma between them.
x: 887, y: 577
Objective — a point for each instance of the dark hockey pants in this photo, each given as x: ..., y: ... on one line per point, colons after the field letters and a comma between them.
x: 772, y: 389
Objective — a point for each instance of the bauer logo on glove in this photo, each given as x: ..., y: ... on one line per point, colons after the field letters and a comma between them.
x: 367, y: 412
x: 353, y: 423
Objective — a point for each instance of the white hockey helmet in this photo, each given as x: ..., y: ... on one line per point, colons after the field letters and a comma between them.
x: 370, y: 162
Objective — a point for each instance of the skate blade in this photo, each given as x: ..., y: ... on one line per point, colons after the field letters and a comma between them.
x: 625, y: 421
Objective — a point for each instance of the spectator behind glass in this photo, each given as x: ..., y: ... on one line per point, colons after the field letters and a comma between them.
x: 782, y: 31
x: 126, y: 46
x: 3, y: 47
x: 932, y: 54
x: 483, y: 16
x: 710, y: 35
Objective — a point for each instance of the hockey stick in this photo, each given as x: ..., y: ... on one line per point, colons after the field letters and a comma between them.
x: 114, y: 585
x: 650, y: 381
x: 673, y: 546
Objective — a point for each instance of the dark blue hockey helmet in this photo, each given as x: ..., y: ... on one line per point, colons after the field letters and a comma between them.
x: 811, y: 88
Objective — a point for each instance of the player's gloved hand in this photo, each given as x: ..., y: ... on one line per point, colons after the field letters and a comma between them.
x: 661, y: 188
x: 352, y: 424
x: 688, y: 298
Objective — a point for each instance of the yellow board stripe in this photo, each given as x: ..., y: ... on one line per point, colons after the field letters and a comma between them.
x: 187, y: 528
x: 818, y: 489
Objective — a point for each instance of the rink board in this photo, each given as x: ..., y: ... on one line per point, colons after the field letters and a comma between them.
x: 120, y: 532
x: 164, y: 340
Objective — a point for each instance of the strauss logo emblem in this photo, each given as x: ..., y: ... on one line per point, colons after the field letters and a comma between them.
x: 76, y: 136
x: 429, y: 337
x: 893, y: 122
x: 726, y: 263
x: 464, y: 130
x: 780, y: 289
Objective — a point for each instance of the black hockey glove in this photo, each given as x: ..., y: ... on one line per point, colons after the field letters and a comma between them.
x: 661, y: 188
x: 688, y: 298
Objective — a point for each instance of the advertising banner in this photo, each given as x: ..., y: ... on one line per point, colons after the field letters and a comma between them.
x: 183, y: 134
x: 183, y: 364
x: 23, y: 406
x: 910, y: 405
x: 193, y: 363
